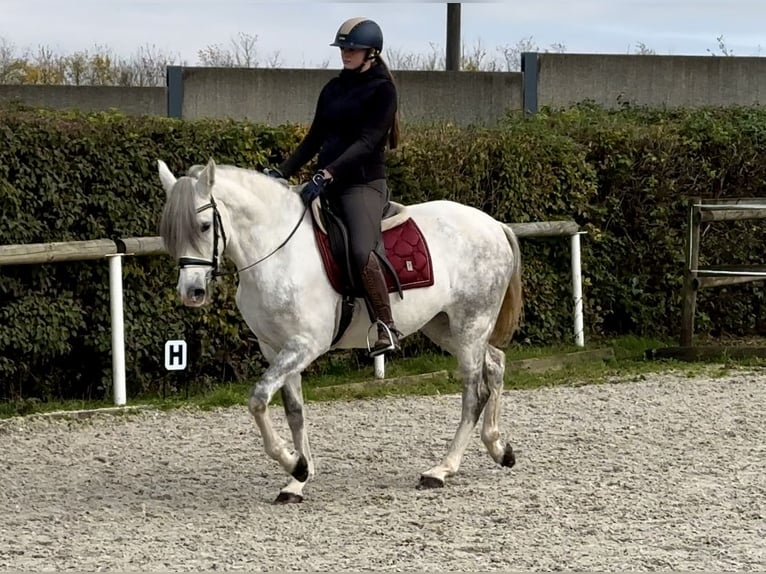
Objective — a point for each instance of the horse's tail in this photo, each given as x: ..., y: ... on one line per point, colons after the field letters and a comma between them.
x: 510, y: 312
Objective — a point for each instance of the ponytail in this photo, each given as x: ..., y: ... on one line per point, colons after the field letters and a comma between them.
x: 393, y: 134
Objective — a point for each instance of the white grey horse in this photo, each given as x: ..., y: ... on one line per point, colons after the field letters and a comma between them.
x: 286, y: 298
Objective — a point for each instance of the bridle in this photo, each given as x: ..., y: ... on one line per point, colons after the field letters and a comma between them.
x: 218, y: 231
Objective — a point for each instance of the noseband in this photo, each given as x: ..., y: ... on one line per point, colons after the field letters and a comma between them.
x: 218, y: 231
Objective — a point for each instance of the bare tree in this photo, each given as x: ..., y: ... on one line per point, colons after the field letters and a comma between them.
x: 722, y: 48
x: 557, y: 48
x: 242, y: 54
x: 45, y: 67
x: 215, y: 55
x: 642, y: 49
x: 77, y: 69
x: 12, y: 68
x: 244, y: 50
x: 434, y: 60
x: 398, y: 60
x: 103, y: 69
x: 476, y: 59
x: 511, y: 54
x: 275, y: 60
x: 147, y: 67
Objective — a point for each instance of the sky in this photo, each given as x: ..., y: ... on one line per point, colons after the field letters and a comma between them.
x: 297, y: 34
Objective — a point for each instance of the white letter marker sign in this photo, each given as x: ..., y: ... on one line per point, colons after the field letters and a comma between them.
x: 175, y: 355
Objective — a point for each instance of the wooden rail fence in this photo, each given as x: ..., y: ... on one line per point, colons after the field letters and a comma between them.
x: 114, y: 250
x: 709, y: 210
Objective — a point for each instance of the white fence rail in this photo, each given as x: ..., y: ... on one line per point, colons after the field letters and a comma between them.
x: 114, y: 251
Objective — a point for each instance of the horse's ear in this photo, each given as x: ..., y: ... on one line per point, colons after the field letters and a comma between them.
x: 208, y: 174
x: 166, y: 176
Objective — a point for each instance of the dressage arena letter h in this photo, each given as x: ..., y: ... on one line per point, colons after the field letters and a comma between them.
x: 175, y: 355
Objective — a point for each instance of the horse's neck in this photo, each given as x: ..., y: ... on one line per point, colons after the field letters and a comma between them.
x: 263, y: 214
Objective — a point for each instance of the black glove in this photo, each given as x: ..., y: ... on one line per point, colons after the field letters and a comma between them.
x: 313, y: 188
x: 274, y: 172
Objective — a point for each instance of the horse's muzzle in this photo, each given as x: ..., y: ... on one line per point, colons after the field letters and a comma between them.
x: 194, y: 297
x: 192, y: 286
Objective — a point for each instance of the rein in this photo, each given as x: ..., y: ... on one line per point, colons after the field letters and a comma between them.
x: 218, y: 226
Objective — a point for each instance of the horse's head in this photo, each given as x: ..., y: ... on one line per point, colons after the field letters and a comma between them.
x: 192, y: 230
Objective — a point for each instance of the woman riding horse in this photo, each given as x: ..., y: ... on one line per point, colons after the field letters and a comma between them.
x: 356, y: 116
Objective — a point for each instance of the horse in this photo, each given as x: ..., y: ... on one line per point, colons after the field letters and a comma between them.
x: 471, y: 308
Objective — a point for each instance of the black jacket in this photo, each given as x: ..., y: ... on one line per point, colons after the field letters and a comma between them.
x: 353, y: 116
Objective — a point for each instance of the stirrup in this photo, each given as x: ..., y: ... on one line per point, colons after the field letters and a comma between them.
x: 379, y: 351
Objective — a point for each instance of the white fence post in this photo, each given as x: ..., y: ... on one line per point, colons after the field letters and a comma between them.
x: 579, y: 333
x: 118, y: 329
x: 380, y: 367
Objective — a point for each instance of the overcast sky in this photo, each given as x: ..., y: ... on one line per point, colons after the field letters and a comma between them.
x: 300, y: 32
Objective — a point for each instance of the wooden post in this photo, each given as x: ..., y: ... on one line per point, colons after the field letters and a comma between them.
x: 690, y: 273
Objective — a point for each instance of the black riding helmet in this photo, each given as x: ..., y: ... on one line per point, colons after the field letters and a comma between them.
x: 359, y: 33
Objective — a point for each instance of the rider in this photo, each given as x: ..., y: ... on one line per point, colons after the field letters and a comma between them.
x: 356, y: 116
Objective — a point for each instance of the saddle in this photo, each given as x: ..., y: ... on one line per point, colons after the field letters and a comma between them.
x: 404, y: 256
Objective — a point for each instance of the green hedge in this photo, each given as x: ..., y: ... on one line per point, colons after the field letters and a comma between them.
x: 624, y: 176
x: 648, y: 164
x: 66, y: 177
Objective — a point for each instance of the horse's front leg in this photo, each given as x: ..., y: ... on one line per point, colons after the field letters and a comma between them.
x: 285, y: 365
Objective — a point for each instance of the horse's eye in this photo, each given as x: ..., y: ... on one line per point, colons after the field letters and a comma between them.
x: 205, y: 227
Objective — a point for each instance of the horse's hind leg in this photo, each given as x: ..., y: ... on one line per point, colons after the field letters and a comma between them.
x: 292, y: 399
x: 494, y: 371
x: 471, y: 357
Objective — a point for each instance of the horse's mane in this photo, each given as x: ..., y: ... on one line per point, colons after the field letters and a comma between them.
x: 178, y: 225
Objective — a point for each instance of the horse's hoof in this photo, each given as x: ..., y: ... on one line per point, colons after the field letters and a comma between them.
x: 429, y: 482
x: 301, y: 470
x: 288, y: 498
x: 509, y: 458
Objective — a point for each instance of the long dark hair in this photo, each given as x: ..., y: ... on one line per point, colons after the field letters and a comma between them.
x: 393, y: 134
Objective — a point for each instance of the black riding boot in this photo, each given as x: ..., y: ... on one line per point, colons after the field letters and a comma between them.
x: 374, y: 283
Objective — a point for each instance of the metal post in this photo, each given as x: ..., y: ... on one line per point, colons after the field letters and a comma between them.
x: 579, y: 333
x: 529, y: 69
x: 118, y: 329
x: 174, y: 79
x: 453, y: 37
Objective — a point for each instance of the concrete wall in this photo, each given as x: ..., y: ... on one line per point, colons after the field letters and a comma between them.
x: 271, y: 96
x: 276, y: 96
x: 672, y: 81
x: 151, y: 101
x: 462, y: 97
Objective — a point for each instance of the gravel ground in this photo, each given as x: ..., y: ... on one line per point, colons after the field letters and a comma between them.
x: 663, y: 473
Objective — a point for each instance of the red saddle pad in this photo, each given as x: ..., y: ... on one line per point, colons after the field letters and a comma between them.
x: 406, y: 249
